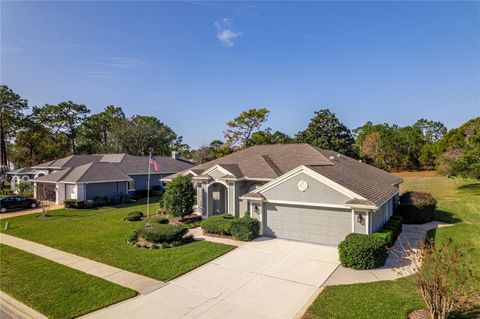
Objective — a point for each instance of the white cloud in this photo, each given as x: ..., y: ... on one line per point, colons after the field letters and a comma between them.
x: 225, y: 33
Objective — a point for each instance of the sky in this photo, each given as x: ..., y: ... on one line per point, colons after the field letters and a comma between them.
x: 196, y: 65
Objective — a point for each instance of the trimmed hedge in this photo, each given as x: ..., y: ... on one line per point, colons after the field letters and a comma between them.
x: 360, y: 251
x: 74, y: 203
x: 245, y: 228
x: 390, y: 231
x: 416, y: 207
x: 219, y: 224
x: 160, y: 220
x: 134, y: 216
x: 162, y: 233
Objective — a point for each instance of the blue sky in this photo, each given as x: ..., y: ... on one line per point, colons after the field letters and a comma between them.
x: 196, y: 65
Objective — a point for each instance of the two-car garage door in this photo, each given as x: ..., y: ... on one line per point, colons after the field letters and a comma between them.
x: 312, y: 224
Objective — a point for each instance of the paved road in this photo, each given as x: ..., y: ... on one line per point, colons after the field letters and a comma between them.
x: 265, y: 278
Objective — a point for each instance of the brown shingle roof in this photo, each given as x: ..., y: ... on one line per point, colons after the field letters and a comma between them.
x: 272, y: 161
x: 268, y: 161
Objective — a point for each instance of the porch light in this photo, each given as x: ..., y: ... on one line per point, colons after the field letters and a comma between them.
x: 360, y: 219
x: 255, y: 208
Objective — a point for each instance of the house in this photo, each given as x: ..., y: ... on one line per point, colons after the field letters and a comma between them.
x: 86, y: 177
x: 297, y: 191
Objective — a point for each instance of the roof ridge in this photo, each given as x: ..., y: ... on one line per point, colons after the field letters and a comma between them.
x: 83, y: 173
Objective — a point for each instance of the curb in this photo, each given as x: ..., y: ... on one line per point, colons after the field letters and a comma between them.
x: 16, y: 309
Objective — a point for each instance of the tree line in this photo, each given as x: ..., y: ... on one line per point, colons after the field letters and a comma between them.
x: 34, y: 135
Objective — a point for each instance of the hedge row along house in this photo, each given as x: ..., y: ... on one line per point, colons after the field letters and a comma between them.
x: 296, y: 191
x: 86, y: 177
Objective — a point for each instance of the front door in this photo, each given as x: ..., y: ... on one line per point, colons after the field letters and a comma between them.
x: 219, y: 199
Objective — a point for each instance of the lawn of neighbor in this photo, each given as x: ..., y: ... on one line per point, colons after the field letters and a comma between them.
x: 53, y: 289
x: 458, y: 203
x: 100, y: 234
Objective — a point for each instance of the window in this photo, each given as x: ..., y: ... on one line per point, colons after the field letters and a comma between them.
x: 25, y: 178
x: 131, y: 185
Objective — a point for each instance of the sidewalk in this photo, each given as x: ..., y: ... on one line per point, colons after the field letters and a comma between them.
x: 410, y: 236
x: 198, y: 234
x: 11, y: 308
x: 142, y: 284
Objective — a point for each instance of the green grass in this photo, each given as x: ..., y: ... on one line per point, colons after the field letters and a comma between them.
x: 53, y: 289
x: 378, y: 300
x: 459, y: 204
x: 100, y: 235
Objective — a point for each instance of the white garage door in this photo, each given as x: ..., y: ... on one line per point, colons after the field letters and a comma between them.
x: 312, y: 224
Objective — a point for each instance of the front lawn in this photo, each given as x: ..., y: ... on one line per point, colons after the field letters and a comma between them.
x: 458, y: 203
x: 53, y: 289
x: 100, y: 234
x: 377, y: 300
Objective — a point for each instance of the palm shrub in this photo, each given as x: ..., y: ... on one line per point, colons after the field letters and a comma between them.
x: 360, y: 251
x: 179, y: 197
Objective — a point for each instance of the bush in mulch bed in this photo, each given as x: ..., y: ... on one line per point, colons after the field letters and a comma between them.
x: 134, y: 216
x: 156, y: 235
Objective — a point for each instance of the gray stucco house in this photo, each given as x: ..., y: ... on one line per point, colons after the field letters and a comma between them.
x: 297, y: 191
x: 85, y: 177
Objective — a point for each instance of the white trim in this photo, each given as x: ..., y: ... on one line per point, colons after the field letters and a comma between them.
x: 287, y: 202
x: 367, y: 222
x: 313, y: 174
x: 367, y: 207
x: 353, y: 221
x: 216, y: 166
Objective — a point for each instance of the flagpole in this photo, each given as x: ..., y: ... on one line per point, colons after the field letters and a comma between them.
x: 148, y: 184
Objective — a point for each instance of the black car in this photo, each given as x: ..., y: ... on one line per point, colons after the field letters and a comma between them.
x: 16, y: 202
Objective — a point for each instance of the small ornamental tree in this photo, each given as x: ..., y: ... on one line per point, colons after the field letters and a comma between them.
x: 179, y: 197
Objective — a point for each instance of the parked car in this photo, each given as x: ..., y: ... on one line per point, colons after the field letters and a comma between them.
x: 16, y: 202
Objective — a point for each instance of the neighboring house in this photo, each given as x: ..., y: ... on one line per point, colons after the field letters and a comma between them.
x: 20, y: 175
x: 86, y: 177
x: 297, y: 191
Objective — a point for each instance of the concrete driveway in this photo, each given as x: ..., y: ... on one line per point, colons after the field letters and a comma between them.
x: 265, y: 278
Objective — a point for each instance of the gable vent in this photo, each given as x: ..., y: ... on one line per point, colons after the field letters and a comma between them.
x: 332, y: 158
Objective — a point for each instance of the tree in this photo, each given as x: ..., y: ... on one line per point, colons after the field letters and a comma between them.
x: 35, y: 144
x: 240, y: 130
x: 433, y: 131
x: 64, y: 117
x: 179, y: 197
x: 11, y: 114
x: 96, y: 132
x: 327, y: 132
x: 267, y: 137
x: 467, y: 165
x: 140, y: 134
x: 443, y: 278
x: 458, y: 150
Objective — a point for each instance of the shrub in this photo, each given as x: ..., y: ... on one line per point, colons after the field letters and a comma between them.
x: 74, y: 203
x: 161, y: 233
x: 245, y: 228
x: 219, y: 224
x: 179, y: 197
x: 160, y: 220
x: 390, y: 231
x: 133, y: 237
x: 360, y: 251
x: 134, y: 216
x: 417, y: 207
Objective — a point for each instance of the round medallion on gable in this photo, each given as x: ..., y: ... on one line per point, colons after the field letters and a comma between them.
x: 302, y: 186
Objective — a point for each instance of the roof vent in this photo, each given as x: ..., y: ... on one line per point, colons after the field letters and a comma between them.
x: 332, y: 158
x: 174, y: 155
x: 338, y: 155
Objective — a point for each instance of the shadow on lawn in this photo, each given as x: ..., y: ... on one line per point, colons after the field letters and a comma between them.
x: 445, y: 216
x: 470, y: 189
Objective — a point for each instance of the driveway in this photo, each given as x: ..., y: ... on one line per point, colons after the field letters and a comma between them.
x: 265, y: 278
x: 29, y: 211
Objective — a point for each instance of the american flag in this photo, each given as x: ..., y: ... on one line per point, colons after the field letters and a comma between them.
x: 156, y: 165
